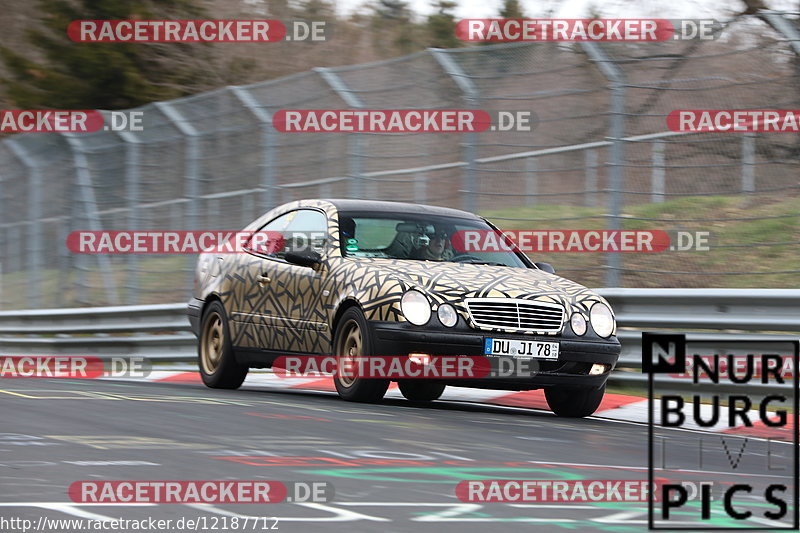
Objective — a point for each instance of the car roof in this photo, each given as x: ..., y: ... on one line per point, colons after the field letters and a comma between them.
x: 394, y: 207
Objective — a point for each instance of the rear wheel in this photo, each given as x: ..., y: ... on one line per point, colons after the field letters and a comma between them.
x: 574, y: 402
x: 350, y: 341
x: 420, y: 391
x: 218, y: 367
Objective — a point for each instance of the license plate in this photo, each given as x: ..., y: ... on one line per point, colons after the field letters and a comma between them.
x: 519, y: 348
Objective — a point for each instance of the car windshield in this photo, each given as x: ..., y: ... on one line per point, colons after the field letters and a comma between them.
x: 416, y: 238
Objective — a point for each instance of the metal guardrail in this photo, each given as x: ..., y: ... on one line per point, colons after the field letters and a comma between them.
x: 161, y: 332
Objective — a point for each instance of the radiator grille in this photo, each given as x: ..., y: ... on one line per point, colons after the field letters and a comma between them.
x: 510, y: 313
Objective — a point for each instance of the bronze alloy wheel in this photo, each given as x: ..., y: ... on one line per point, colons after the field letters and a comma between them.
x: 217, y: 362
x: 350, y: 346
x: 211, y: 343
x: 352, y: 340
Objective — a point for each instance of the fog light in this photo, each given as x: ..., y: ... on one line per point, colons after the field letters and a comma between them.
x: 447, y: 315
x: 597, y: 370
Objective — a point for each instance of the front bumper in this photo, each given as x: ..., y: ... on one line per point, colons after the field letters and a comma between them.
x: 576, y: 354
x: 194, y: 310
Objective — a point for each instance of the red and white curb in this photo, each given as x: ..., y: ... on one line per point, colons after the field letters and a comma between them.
x: 614, y: 406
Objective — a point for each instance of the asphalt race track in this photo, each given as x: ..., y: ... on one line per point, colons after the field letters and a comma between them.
x: 394, y: 466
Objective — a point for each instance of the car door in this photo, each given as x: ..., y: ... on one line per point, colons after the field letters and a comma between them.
x: 253, y: 309
x: 284, y: 295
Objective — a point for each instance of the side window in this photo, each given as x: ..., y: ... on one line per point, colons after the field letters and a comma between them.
x: 296, y: 230
x: 307, y: 230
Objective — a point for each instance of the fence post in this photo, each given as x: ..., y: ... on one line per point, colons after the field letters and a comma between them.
x: 3, y: 237
x: 471, y: 97
x: 132, y: 190
x: 34, y: 250
x: 83, y: 178
x: 531, y: 180
x: 247, y: 210
x: 268, y: 196
x: 420, y: 188
x: 784, y: 26
x: 657, y: 175
x: 355, y: 141
x: 192, y: 185
x: 617, y: 156
x: 590, y: 164
x: 748, y: 162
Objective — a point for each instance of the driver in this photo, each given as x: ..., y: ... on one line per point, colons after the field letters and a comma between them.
x: 438, y: 247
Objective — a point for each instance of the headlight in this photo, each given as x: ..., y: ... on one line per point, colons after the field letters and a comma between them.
x: 602, y: 319
x: 578, y: 323
x: 415, y: 307
x: 447, y: 315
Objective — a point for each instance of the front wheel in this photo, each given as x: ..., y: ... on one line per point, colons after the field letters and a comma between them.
x: 352, y: 341
x: 420, y: 391
x: 218, y: 367
x: 574, y: 402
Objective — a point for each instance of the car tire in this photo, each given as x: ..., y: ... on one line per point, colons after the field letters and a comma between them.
x: 218, y: 366
x: 352, y: 339
x: 420, y: 391
x: 574, y: 402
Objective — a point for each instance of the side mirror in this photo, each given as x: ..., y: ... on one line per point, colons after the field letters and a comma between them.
x: 306, y: 258
x: 547, y: 267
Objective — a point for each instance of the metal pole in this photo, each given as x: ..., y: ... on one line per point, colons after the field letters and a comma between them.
x: 355, y: 142
x: 657, y: 176
x: 617, y: 152
x: 192, y: 184
x: 748, y: 162
x: 531, y: 181
x: 420, y: 188
x: 590, y: 158
x: 471, y: 97
x: 83, y: 178
x: 268, y: 159
x: 132, y: 189
x: 34, y: 250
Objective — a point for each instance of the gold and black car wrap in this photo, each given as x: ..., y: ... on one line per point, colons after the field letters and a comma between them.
x: 249, y: 308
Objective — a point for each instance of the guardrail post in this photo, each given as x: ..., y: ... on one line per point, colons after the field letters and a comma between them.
x: 268, y: 159
x: 616, y: 157
x: 471, y: 97
x: 355, y: 140
x: 34, y: 245
x: 657, y: 175
x: 83, y: 178
x: 192, y: 185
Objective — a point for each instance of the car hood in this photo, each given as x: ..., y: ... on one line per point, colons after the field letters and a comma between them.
x: 452, y: 282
